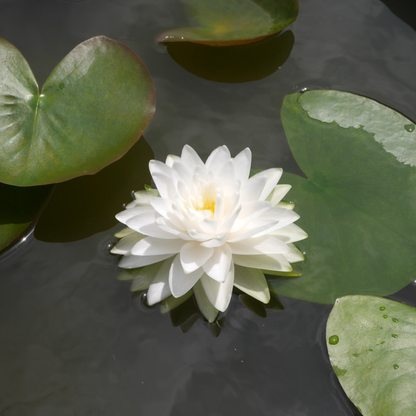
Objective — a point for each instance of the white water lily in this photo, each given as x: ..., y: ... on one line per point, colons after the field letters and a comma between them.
x: 208, y: 227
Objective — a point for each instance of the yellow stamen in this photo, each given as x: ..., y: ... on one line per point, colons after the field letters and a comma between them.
x: 208, y: 205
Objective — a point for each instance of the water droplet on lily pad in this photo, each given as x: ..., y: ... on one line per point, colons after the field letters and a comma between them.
x: 395, y: 366
x: 385, y: 316
x: 382, y: 308
x: 409, y: 127
x: 394, y: 335
x: 333, y: 340
x: 356, y: 355
x: 395, y: 320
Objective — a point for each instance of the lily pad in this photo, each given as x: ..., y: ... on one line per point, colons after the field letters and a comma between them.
x: 372, y: 347
x: 233, y: 22
x: 92, y: 109
x: 19, y: 209
x: 357, y: 202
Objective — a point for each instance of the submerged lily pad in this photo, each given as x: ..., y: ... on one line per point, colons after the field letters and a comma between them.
x: 19, y: 209
x: 357, y: 202
x: 372, y: 347
x: 92, y: 109
x: 233, y: 22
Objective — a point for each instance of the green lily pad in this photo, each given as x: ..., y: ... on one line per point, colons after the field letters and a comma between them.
x: 92, y: 109
x: 357, y: 202
x: 233, y: 22
x: 19, y: 209
x: 372, y: 347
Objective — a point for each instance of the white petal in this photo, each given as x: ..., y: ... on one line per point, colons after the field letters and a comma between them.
x: 159, y: 288
x: 261, y: 245
x: 131, y: 262
x: 285, y: 217
x: 216, y: 242
x: 143, y: 197
x: 139, y: 221
x: 144, y: 277
x: 208, y: 226
x: 125, y: 245
x: 190, y: 157
x: 253, y: 209
x: 286, y: 205
x: 276, y: 262
x: 197, y: 236
x: 273, y: 175
x: 163, y: 178
x: 294, y: 254
x: 252, y: 282
x: 217, y: 159
x: 171, y: 159
x: 278, y: 193
x: 227, y: 175
x: 179, y: 281
x: 125, y: 231
x: 242, y: 165
x: 150, y: 246
x: 255, y: 228
x: 169, y: 227
x: 218, y: 266
x: 153, y: 230
x: 162, y: 206
x: 228, y: 223
x: 182, y: 172
x: 125, y: 215
x: 290, y: 234
x: 219, y: 294
x: 193, y: 256
x: 204, y: 305
x: 253, y: 188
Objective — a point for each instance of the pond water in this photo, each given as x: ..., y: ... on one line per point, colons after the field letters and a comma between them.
x: 74, y: 343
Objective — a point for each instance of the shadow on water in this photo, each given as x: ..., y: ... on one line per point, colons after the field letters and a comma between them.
x: 87, y: 205
x: 19, y: 209
x: 234, y: 64
x: 404, y: 10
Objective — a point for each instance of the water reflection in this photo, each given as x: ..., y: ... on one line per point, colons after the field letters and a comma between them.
x: 87, y: 205
x: 187, y: 314
x: 234, y: 64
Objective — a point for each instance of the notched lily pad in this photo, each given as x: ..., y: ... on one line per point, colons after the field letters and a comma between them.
x: 19, y: 209
x: 233, y: 22
x: 358, y: 200
x: 372, y: 347
x: 92, y: 109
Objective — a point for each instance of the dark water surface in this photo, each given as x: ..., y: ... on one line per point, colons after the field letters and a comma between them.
x: 73, y: 343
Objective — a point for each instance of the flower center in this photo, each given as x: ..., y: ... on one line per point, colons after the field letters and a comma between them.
x: 208, y: 204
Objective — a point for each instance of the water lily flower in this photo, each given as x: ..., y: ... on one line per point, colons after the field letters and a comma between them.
x: 206, y: 228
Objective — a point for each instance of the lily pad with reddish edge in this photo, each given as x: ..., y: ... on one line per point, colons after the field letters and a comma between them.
x: 92, y: 109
